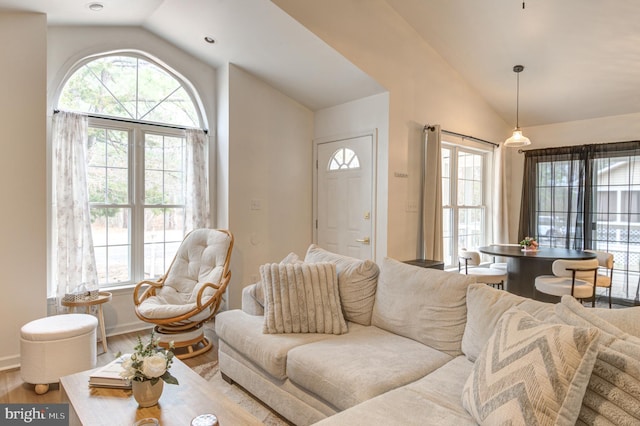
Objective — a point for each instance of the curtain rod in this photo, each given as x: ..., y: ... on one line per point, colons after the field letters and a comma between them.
x: 124, y: 120
x: 430, y: 127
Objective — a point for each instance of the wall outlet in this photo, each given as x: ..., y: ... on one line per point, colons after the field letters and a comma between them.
x: 256, y: 204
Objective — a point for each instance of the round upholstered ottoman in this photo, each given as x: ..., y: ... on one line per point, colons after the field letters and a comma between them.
x: 56, y: 346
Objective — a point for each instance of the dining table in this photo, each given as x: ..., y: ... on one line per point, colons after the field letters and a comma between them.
x: 524, y: 266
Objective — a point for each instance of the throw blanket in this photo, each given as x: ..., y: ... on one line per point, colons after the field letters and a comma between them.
x: 302, y: 298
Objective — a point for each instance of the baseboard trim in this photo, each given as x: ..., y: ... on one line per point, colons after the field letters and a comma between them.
x: 10, y: 362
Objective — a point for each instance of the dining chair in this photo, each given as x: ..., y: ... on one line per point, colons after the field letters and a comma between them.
x: 494, y: 277
x: 605, y: 273
x: 572, y: 277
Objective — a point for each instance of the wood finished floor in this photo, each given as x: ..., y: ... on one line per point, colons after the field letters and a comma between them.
x: 13, y: 390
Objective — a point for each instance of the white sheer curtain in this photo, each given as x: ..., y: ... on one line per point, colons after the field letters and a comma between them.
x: 75, y: 265
x: 431, y: 205
x: 500, y: 214
x: 197, y: 201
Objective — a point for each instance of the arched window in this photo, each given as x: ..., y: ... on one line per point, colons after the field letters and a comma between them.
x: 131, y: 88
x: 138, y: 115
x: 344, y: 158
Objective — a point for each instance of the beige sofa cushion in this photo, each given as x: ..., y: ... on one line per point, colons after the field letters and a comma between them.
x: 302, y: 298
x: 423, y: 304
x: 432, y: 400
x: 348, y: 369
x: 243, y: 332
x: 531, y: 372
x: 357, y: 281
x: 485, y: 306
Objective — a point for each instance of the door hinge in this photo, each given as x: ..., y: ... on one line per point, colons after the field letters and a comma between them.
x: 316, y: 223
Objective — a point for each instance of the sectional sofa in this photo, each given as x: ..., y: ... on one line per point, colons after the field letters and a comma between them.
x: 421, y: 346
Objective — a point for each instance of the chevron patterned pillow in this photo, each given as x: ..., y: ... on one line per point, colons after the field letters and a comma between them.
x: 531, y: 373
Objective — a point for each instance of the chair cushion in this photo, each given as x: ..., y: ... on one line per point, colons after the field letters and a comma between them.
x: 603, y: 281
x: 160, y: 307
x: 486, y: 275
x: 357, y: 282
x: 531, y: 372
x: 423, y: 304
x: 302, y: 298
x: 560, y: 286
x: 200, y: 259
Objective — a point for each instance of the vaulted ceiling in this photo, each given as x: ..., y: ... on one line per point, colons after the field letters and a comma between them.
x: 581, y: 57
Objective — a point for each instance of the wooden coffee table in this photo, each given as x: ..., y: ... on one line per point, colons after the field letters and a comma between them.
x: 177, y: 406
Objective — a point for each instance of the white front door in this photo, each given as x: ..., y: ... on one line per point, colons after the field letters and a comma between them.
x: 344, y: 196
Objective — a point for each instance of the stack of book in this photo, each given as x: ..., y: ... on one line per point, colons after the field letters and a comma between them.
x: 108, y: 376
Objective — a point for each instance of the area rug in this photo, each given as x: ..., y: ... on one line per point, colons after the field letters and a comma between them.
x: 210, y: 372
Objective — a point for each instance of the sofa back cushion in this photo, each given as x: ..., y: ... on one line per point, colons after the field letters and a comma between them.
x: 357, y: 282
x: 485, y: 306
x: 423, y: 304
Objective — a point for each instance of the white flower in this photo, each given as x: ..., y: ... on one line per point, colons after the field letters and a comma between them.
x: 154, y: 366
x: 148, y: 362
x: 127, y: 369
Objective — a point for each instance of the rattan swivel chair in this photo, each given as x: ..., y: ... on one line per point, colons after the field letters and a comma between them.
x: 189, y: 293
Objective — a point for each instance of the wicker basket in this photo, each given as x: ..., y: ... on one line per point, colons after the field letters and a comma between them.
x: 84, y: 296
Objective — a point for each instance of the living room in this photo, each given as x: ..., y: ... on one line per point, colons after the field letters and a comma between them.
x: 255, y: 125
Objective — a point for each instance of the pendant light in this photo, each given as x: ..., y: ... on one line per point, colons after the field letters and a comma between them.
x: 517, y: 139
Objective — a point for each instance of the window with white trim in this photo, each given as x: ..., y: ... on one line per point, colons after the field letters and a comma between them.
x: 136, y: 162
x: 465, y: 199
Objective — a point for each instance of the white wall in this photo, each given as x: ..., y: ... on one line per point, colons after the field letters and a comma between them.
x: 68, y: 45
x: 422, y: 88
x: 270, y: 155
x: 22, y: 173
x: 618, y: 128
x: 355, y: 118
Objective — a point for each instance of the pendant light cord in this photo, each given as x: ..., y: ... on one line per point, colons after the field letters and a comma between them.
x: 518, y: 100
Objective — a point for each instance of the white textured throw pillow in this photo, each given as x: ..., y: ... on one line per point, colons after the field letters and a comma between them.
x: 531, y: 372
x: 357, y: 282
x: 302, y: 298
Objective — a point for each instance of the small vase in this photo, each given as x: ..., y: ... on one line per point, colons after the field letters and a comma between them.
x: 145, y: 393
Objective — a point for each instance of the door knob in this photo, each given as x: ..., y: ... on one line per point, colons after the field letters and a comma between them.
x: 365, y: 240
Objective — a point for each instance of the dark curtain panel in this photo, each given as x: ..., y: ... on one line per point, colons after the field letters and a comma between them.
x: 587, y: 197
x: 553, y: 196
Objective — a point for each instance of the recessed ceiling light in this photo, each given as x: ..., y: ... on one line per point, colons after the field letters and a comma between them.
x: 96, y: 7
x: 209, y: 40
